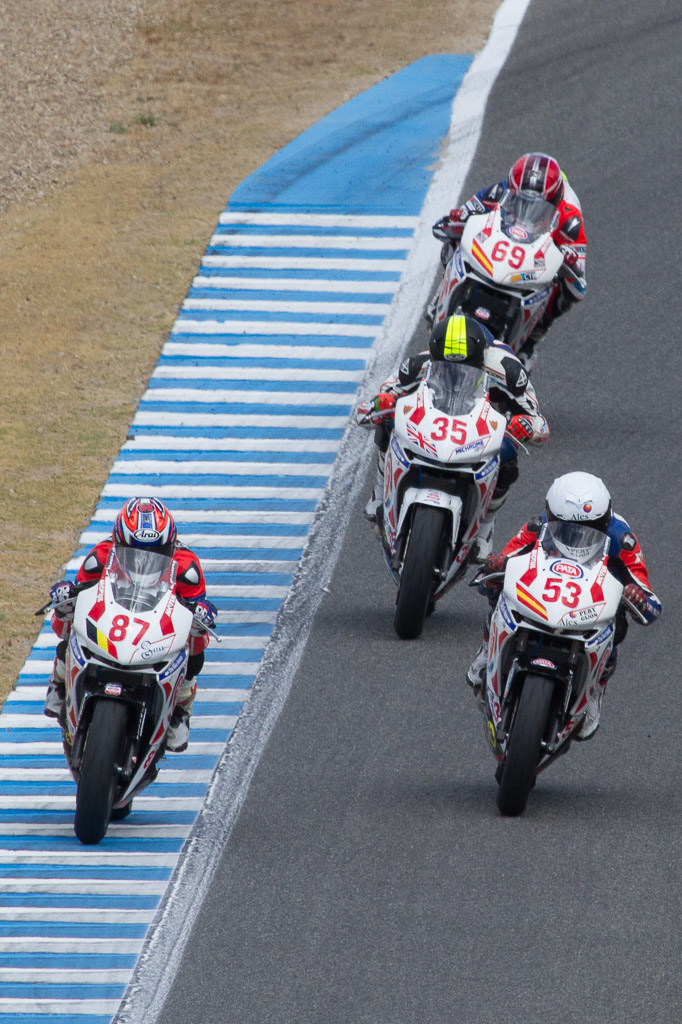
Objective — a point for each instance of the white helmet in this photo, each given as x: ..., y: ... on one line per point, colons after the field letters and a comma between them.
x: 581, y: 500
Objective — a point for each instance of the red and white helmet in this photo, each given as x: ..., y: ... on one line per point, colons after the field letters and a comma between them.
x: 146, y: 523
x: 536, y: 175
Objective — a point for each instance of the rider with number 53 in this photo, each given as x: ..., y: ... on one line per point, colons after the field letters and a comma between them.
x: 559, y: 592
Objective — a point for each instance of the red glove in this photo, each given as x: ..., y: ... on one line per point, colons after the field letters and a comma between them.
x: 495, y: 563
x: 376, y: 409
x: 570, y: 256
x: 635, y: 595
x: 450, y: 227
x: 521, y: 428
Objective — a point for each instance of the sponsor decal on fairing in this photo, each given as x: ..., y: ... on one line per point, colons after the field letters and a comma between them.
x: 398, y: 452
x: 472, y: 446
x: 562, y: 568
x: 543, y: 663
x: 488, y: 468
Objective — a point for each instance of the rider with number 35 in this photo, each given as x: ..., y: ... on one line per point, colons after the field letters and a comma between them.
x: 143, y: 523
x: 510, y: 391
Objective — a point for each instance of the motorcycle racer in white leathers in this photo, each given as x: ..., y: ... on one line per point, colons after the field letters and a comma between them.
x: 578, y: 499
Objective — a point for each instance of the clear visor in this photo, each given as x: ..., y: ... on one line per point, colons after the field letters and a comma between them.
x: 139, y: 578
x: 525, y: 219
x: 578, y: 541
x: 456, y: 387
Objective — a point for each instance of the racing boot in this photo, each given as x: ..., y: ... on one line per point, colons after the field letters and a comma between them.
x: 590, y: 723
x: 177, y: 737
x: 55, y: 698
x: 477, y: 670
x: 373, y: 508
x: 484, y: 537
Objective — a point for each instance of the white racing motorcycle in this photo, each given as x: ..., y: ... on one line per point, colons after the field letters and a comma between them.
x: 551, y: 634
x: 440, y: 471
x: 125, y: 662
x: 504, y: 270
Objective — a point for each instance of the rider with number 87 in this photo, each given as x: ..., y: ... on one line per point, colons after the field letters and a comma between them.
x: 142, y: 523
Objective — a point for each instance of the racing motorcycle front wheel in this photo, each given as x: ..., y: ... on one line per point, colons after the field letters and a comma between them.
x: 98, y: 777
x: 418, y: 578
x: 523, y: 746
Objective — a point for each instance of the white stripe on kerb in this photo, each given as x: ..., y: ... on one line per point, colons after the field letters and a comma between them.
x: 303, y: 263
x: 66, y: 1007
x: 274, y: 327
x: 63, y: 976
x: 185, y: 491
x: 193, y: 419
x: 295, y: 284
x: 331, y: 220
x: 210, y: 516
x: 194, y: 443
x: 136, y: 467
x: 275, y: 350
x: 207, y: 396
x: 272, y: 306
x: 274, y: 242
x: 166, y: 372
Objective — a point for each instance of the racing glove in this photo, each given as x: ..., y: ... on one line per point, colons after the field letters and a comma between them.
x: 520, y: 428
x: 62, y: 596
x: 635, y: 595
x: 495, y: 563
x: 451, y: 227
x: 204, y: 617
x: 570, y: 255
x: 376, y: 409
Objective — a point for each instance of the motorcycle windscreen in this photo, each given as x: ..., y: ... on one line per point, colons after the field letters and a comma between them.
x: 455, y: 388
x: 525, y: 220
x: 577, y: 541
x: 139, y: 578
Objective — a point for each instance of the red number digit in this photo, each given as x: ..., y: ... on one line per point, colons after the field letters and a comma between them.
x: 574, y: 590
x: 499, y: 253
x: 145, y: 627
x: 442, y: 431
x: 516, y: 257
x: 119, y: 627
x: 459, y: 432
x: 552, y: 590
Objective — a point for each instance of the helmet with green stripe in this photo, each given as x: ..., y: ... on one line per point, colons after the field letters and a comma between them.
x: 460, y: 339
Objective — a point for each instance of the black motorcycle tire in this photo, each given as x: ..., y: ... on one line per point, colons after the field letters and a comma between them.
x: 523, y: 746
x: 417, y: 577
x: 97, y: 778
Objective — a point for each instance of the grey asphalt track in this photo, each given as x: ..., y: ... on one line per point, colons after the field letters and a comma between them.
x: 369, y: 878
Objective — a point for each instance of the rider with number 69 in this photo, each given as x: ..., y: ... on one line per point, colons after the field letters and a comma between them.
x: 532, y: 176
x: 142, y: 523
x: 574, y: 501
x: 510, y: 391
